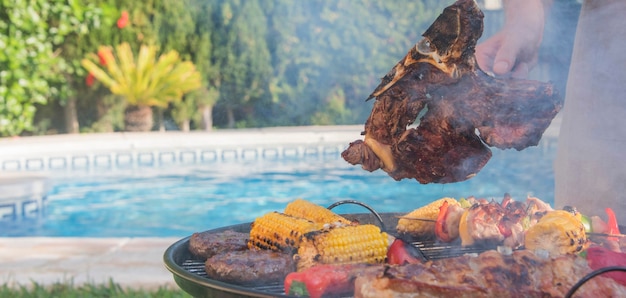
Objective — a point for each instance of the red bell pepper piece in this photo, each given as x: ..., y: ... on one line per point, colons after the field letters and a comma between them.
x: 504, y: 230
x: 600, y: 257
x: 612, y: 224
x: 441, y: 231
x: 401, y: 252
x: 322, y: 280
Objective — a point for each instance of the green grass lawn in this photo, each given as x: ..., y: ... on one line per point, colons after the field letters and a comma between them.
x: 68, y: 290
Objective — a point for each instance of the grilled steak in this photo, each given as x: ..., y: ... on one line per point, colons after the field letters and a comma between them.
x: 491, y: 274
x: 250, y: 267
x: 440, y: 82
x: 203, y: 245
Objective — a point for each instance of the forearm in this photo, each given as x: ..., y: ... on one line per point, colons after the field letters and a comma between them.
x: 526, y: 11
x: 546, y: 4
x: 527, y: 17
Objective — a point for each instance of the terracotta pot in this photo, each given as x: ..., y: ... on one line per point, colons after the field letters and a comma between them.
x: 138, y: 118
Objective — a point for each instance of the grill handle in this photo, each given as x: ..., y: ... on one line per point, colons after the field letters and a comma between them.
x: 378, y: 217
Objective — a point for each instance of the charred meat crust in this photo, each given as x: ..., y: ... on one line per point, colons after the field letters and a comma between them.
x: 490, y: 274
x: 250, y: 267
x: 204, y: 245
x: 459, y: 110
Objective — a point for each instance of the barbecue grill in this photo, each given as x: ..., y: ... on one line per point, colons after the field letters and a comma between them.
x: 189, y: 273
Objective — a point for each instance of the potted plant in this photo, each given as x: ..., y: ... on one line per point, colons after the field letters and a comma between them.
x: 143, y: 81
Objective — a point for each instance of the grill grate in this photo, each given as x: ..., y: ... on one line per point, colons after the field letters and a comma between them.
x: 431, y: 250
x: 196, y: 267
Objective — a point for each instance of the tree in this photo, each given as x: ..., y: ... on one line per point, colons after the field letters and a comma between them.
x: 197, y: 106
x: 144, y: 81
x: 85, y: 19
x: 333, y: 110
x: 323, y: 47
x: 186, y: 26
x: 32, y: 69
x: 120, y: 21
x: 104, y: 22
x: 241, y: 54
x: 201, y: 48
x: 263, y: 63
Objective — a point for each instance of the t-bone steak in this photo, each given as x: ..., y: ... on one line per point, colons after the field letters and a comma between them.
x: 436, y: 111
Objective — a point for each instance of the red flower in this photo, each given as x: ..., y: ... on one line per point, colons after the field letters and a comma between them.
x: 123, y: 20
x: 90, y: 79
x: 102, y: 54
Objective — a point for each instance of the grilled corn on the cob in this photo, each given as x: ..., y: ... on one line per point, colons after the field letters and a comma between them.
x: 314, y: 212
x: 279, y: 232
x: 343, y: 245
x: 558, y: 232
x: 422, y: 228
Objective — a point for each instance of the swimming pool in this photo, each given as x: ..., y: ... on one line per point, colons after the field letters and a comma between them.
x: 181, y: 199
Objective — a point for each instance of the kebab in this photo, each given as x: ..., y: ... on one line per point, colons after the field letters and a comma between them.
x: 532, y: 224
x: 509, y: 223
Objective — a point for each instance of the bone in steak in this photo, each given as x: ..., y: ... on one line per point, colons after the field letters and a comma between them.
x: 440, y: 81
x: 491, y: 274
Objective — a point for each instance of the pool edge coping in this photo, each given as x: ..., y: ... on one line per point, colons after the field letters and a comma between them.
x: 132, y: 262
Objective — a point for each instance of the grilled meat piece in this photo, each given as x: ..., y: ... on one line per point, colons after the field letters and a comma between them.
x: 491, y: 223
x: 440, y: 82
x: 250, y: 267
x: 203, y: 245
x: 483, y: 222
x: 490, y: 274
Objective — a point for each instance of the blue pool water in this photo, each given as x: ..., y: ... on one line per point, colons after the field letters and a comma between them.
x: 177, y: 201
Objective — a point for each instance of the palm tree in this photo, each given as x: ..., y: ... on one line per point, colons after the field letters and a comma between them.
x: 144, y: 82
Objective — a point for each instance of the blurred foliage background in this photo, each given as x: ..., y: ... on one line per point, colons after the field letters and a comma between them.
x: 261, y: 62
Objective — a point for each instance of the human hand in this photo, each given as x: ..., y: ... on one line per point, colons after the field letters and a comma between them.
x: 513, y: 51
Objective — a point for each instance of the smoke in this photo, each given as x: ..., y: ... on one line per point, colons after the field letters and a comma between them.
x: 555, y: 52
